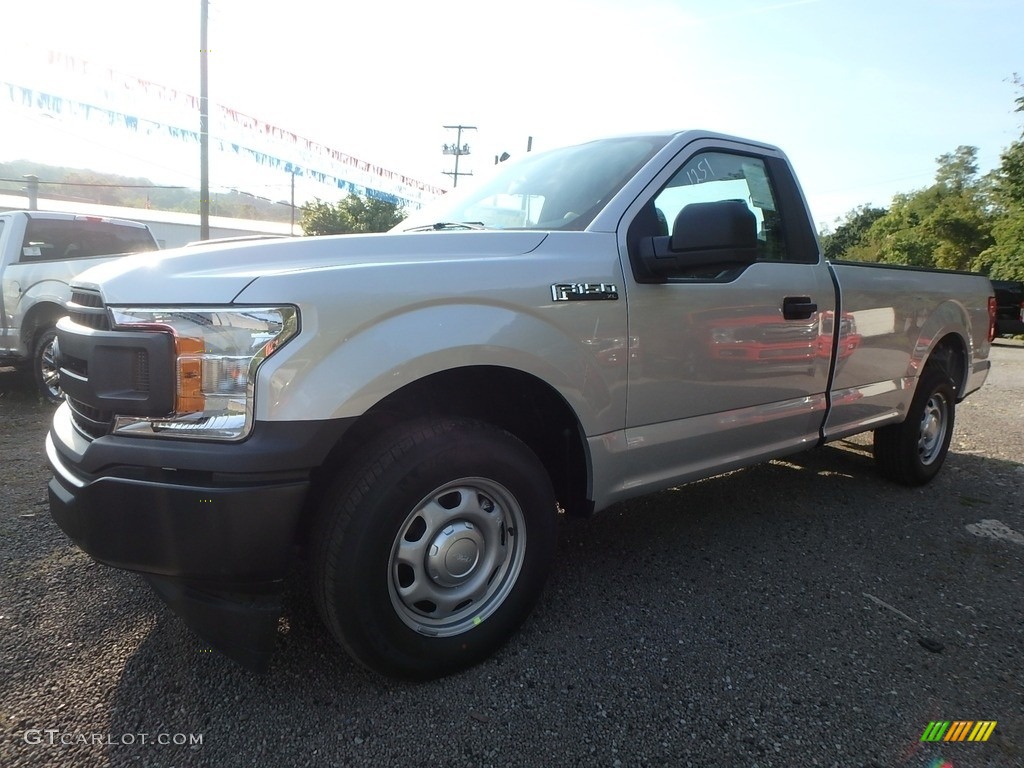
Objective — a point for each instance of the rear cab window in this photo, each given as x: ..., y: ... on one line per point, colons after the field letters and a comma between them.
x: 61, y: 239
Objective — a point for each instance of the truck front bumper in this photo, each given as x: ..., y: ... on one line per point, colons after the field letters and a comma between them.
x: 211, y: 527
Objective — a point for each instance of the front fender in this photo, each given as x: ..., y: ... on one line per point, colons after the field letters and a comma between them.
x: 331, y: 377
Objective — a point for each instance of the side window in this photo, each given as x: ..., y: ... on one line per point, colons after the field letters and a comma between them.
x: 712, y: 177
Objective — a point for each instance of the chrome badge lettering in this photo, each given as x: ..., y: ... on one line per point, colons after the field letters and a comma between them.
x: 583, y: 292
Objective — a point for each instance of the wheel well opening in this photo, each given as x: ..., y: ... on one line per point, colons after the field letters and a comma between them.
x: 509, y: 399
x: 950, y: 354
x: 40, y: 316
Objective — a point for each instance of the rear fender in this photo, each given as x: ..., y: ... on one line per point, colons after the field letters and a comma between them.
x: 25, y: 302
x: 950, y: 317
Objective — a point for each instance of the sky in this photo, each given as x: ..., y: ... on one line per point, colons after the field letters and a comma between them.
x: 863, y: 95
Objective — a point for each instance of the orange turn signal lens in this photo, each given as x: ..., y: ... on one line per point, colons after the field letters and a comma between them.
x: 190, y: 397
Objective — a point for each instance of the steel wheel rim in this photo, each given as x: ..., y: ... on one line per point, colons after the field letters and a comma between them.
x: 456, y: 557
x: 934, y: 423
x: 49, y: 372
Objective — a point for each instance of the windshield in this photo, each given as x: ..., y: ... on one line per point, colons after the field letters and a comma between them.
x: 561, y: 189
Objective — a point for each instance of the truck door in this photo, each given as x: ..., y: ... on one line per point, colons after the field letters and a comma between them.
x: 732, y: 312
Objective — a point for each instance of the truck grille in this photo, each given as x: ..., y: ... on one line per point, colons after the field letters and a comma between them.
x: 92, y: 421
x: 106, y: 372
x: 86, y: 308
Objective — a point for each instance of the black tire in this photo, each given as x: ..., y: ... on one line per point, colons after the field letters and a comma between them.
x: 432, y: 549
x: 45, y: 373
x: 912, y: 452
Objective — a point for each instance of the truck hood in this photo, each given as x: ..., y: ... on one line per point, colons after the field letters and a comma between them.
x: 217, y: 273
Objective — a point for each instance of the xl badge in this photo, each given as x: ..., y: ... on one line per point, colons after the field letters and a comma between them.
x: 583, y: 292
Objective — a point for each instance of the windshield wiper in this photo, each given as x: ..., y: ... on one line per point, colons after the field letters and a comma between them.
x: 442, y: 225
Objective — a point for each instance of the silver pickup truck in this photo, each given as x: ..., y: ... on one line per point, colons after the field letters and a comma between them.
x: 40, y: 252
x: 408, y: 414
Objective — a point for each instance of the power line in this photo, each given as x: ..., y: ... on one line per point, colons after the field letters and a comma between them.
x: 227, y: 191
x: 91, y: 184
x: 227, y: 188
x: 230, y: 187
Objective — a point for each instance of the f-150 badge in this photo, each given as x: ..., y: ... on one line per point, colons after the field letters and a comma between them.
x: 583, y: 292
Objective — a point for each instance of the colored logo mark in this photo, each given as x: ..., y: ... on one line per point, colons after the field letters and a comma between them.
x: 958, y: 730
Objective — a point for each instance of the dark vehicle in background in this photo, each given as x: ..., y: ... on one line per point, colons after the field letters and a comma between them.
x: 1009, y: 306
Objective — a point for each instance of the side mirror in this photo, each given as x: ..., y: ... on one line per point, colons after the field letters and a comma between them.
x: 707, y: 238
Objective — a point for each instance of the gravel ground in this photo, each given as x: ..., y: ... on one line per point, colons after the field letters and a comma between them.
x: 799, y: 613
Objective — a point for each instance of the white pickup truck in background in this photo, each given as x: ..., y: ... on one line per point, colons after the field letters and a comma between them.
x: 40, y: 252
x: 412, y: 410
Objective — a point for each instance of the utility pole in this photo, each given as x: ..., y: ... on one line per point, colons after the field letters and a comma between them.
x: 458, y: 149
x: 31, y: 190
x: 204, y: 125
x: 505, y: 155
x: 292, y: 230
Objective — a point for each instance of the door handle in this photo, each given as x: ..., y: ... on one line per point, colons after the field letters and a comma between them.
x: 798, y: 307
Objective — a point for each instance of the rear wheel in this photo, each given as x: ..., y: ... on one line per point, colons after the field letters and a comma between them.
x: 45, y: 372
x: 912, y: 453
x: 433, y: 549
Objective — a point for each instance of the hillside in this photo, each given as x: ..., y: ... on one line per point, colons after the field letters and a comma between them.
x: 87, y: 186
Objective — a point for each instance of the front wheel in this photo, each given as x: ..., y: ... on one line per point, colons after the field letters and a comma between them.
x: 912, y: 453
x: 432, y: 549
x: 45, y: 372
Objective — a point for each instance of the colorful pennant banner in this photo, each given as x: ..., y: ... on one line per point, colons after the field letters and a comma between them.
x: 314, y: 160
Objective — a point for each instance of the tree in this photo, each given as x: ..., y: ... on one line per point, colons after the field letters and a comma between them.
x: 958, y: 170
x: 947, y: 225
x: 851, y: 231
x: 350, y: 215
x: 1008, y: 180
x: 1004, y: 260
x: 959, y: 222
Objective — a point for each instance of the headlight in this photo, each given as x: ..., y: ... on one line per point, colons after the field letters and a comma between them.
x: 218, y: 350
